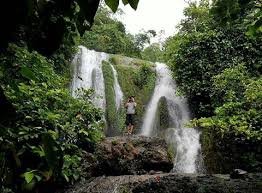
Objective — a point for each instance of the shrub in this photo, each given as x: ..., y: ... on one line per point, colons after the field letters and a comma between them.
x: 44, y: 143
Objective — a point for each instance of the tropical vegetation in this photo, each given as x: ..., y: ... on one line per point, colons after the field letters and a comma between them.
x: 216, y: 60
x: 44, y: 132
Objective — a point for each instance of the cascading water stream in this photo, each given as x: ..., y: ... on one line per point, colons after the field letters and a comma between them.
x: 118, y: 91
x: 185, y: 140
x: 88, y: 74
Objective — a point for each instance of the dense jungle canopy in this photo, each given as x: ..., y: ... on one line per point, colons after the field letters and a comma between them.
x: 215, y: 57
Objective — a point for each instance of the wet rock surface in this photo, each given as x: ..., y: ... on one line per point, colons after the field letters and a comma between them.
x: 172, y: 183
x: 141, y: 165
x: 138, y: 155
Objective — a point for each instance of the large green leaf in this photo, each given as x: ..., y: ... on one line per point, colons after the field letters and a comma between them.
x: 27, y: 73
x: 29, y: 176
x: 88, y: 9
x: 125, y: 2
x: 113, y: 4
x: 255, y: 28
x: 133, y: 3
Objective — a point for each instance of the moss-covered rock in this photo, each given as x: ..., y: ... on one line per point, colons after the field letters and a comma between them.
x: 162, y: 117
x: 212, y: 157
x: 115, y: 118
x: 136, y: 78
x: 222, y: 154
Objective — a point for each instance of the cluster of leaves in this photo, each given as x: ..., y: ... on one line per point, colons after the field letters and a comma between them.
x: 219, y: 70
x: 43, y: 25
x: 197, y: 17
x: 153, y: 53
x: 199, y: 56
x: 255, y: 28
x: 143, y: 74
x: 43, y: 144
x: 237, y: 120
x: 239, y: 108
x: 113, y: 4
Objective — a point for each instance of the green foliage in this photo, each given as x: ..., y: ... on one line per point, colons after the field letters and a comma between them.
x: 115, y: 119
x: 219, y: 70
x: 197, y: 17
x: 113, y: 4
x: 109, y: 35
x: 237, y: 113
x: 255, y: 28
x: 144, y: 71
x: 226, y: 11
x: 229, y: 12
x: 141, y: 39
x: 71, y: 168
x: 171, y: 154
x: 44, y: 144
x: 43, y: 25
x: 163, y: 114
x: 199, y: 56
x: 152, y: 53
x: 20, y: 64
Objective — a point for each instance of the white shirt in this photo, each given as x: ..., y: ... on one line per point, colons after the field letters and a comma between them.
x: 130, y: 107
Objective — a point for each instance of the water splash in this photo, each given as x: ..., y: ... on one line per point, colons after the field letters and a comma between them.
x: 185, y: 141
x: 165, y: 87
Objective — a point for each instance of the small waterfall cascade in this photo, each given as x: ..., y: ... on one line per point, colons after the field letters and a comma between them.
x: 118, y: 91
x: 185, y: 141
x: 87, y: 74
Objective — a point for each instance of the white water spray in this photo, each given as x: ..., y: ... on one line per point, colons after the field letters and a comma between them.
x: 118, y: 91
x: 185, y: 140
x: 88, y: 74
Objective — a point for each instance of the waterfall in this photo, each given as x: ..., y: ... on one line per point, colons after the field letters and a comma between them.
x: 185, y: 141
x: 118, y: 91
x: 87, y: 74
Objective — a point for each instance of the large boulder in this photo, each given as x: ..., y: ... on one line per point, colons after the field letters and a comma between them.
x: 116, y: 156
x: 171, y: 183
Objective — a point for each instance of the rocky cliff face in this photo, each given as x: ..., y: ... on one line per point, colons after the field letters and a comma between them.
x: 141, y: 165
x: 127, y: 156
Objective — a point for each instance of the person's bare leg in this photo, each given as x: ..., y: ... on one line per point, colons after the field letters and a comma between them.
x: 131, y: 129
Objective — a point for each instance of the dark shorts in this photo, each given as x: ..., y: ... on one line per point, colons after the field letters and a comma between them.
x: 130, y: 119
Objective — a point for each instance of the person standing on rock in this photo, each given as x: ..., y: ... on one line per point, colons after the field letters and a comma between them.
x: 130, y: 113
